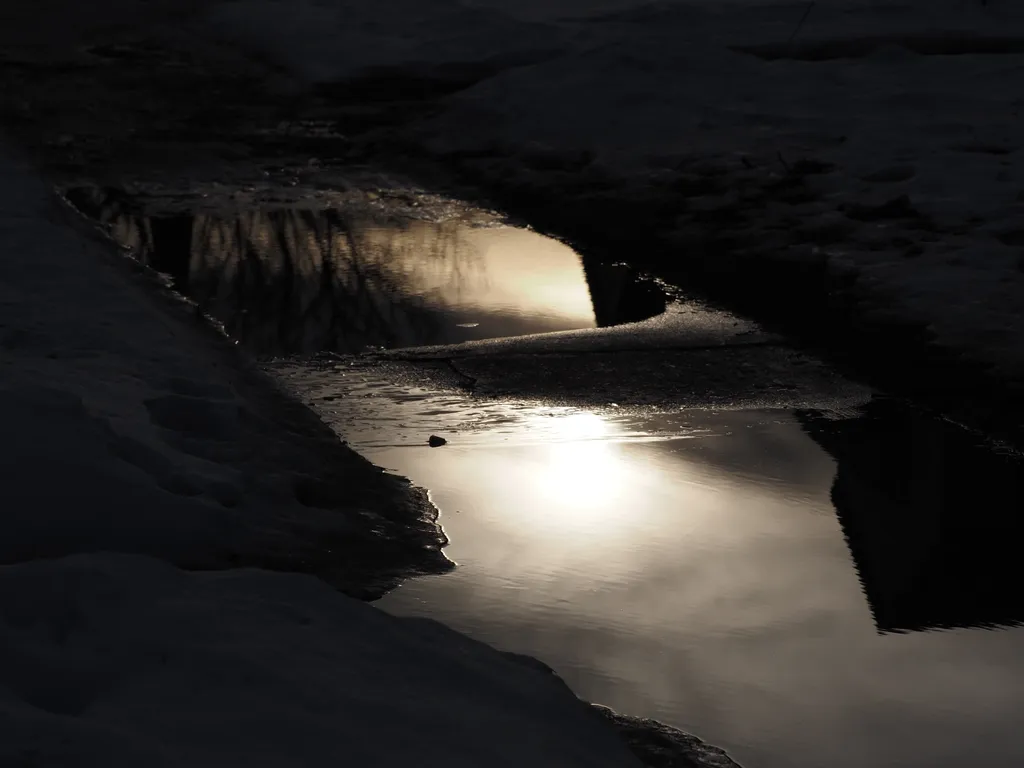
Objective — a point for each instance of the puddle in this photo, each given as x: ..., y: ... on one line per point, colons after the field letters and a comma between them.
x: 692, y: 567
x: 301, y: 281
x: 803, y: 589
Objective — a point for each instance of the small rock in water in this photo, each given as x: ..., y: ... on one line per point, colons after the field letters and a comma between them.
x: 436, y: 442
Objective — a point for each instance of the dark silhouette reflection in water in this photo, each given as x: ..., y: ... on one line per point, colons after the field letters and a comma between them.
x: 932, y: 517
x: 303, y: 281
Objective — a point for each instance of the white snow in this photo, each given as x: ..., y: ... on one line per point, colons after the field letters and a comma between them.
x: 904, y: 98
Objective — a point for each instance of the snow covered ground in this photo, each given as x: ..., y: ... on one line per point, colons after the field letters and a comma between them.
x: 903, y: 121
x: 126, y: 431
x: 327, y: 41
x: 117, y: 660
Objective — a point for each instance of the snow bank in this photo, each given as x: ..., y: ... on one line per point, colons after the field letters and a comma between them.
x: 324, y: 41
x: 679, y: 80
x: 129, y: 426
x: 912, y: 103
x: 113, y: 660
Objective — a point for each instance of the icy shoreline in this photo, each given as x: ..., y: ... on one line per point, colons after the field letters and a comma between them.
x: 140, y: 443
x: 866, y: 183
x: 155, y: 424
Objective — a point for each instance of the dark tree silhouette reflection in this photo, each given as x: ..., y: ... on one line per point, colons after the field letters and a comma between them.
x: 933, y: 518
x: 302, y: 281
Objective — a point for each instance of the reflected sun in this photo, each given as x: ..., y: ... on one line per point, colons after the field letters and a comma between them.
x: 583, y: 476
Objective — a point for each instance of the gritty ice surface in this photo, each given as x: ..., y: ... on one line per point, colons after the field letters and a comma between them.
x: 909, y: 101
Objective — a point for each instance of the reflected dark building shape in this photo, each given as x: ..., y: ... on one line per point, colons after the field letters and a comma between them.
x: 619, y: 294
x: 933, y: 517
x: 291, y: 281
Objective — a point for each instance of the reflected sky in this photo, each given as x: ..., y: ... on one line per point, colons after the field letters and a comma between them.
x: 292, y: 281
x: 699, y: 574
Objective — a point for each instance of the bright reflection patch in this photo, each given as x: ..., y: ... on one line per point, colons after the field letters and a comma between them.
x: 582, y: 477
x: 581, y: 426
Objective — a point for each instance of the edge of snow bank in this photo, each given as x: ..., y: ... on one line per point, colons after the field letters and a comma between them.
x: 131, y: 426
x: 657, y: 744
x: 121, y: 660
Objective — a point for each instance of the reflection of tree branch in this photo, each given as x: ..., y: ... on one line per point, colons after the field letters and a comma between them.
x: 301, y: 281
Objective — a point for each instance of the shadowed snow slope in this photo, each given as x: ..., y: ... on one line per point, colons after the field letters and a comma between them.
x: 116, y: 660
x: 129, y: 426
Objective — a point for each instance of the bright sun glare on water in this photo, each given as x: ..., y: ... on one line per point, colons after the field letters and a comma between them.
x: 583, y: 477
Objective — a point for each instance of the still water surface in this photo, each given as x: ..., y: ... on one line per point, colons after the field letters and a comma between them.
x: 693, y: 568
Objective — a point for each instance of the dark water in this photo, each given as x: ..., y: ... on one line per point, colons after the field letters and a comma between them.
x: 800, y: 589
x: 304, y: 281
